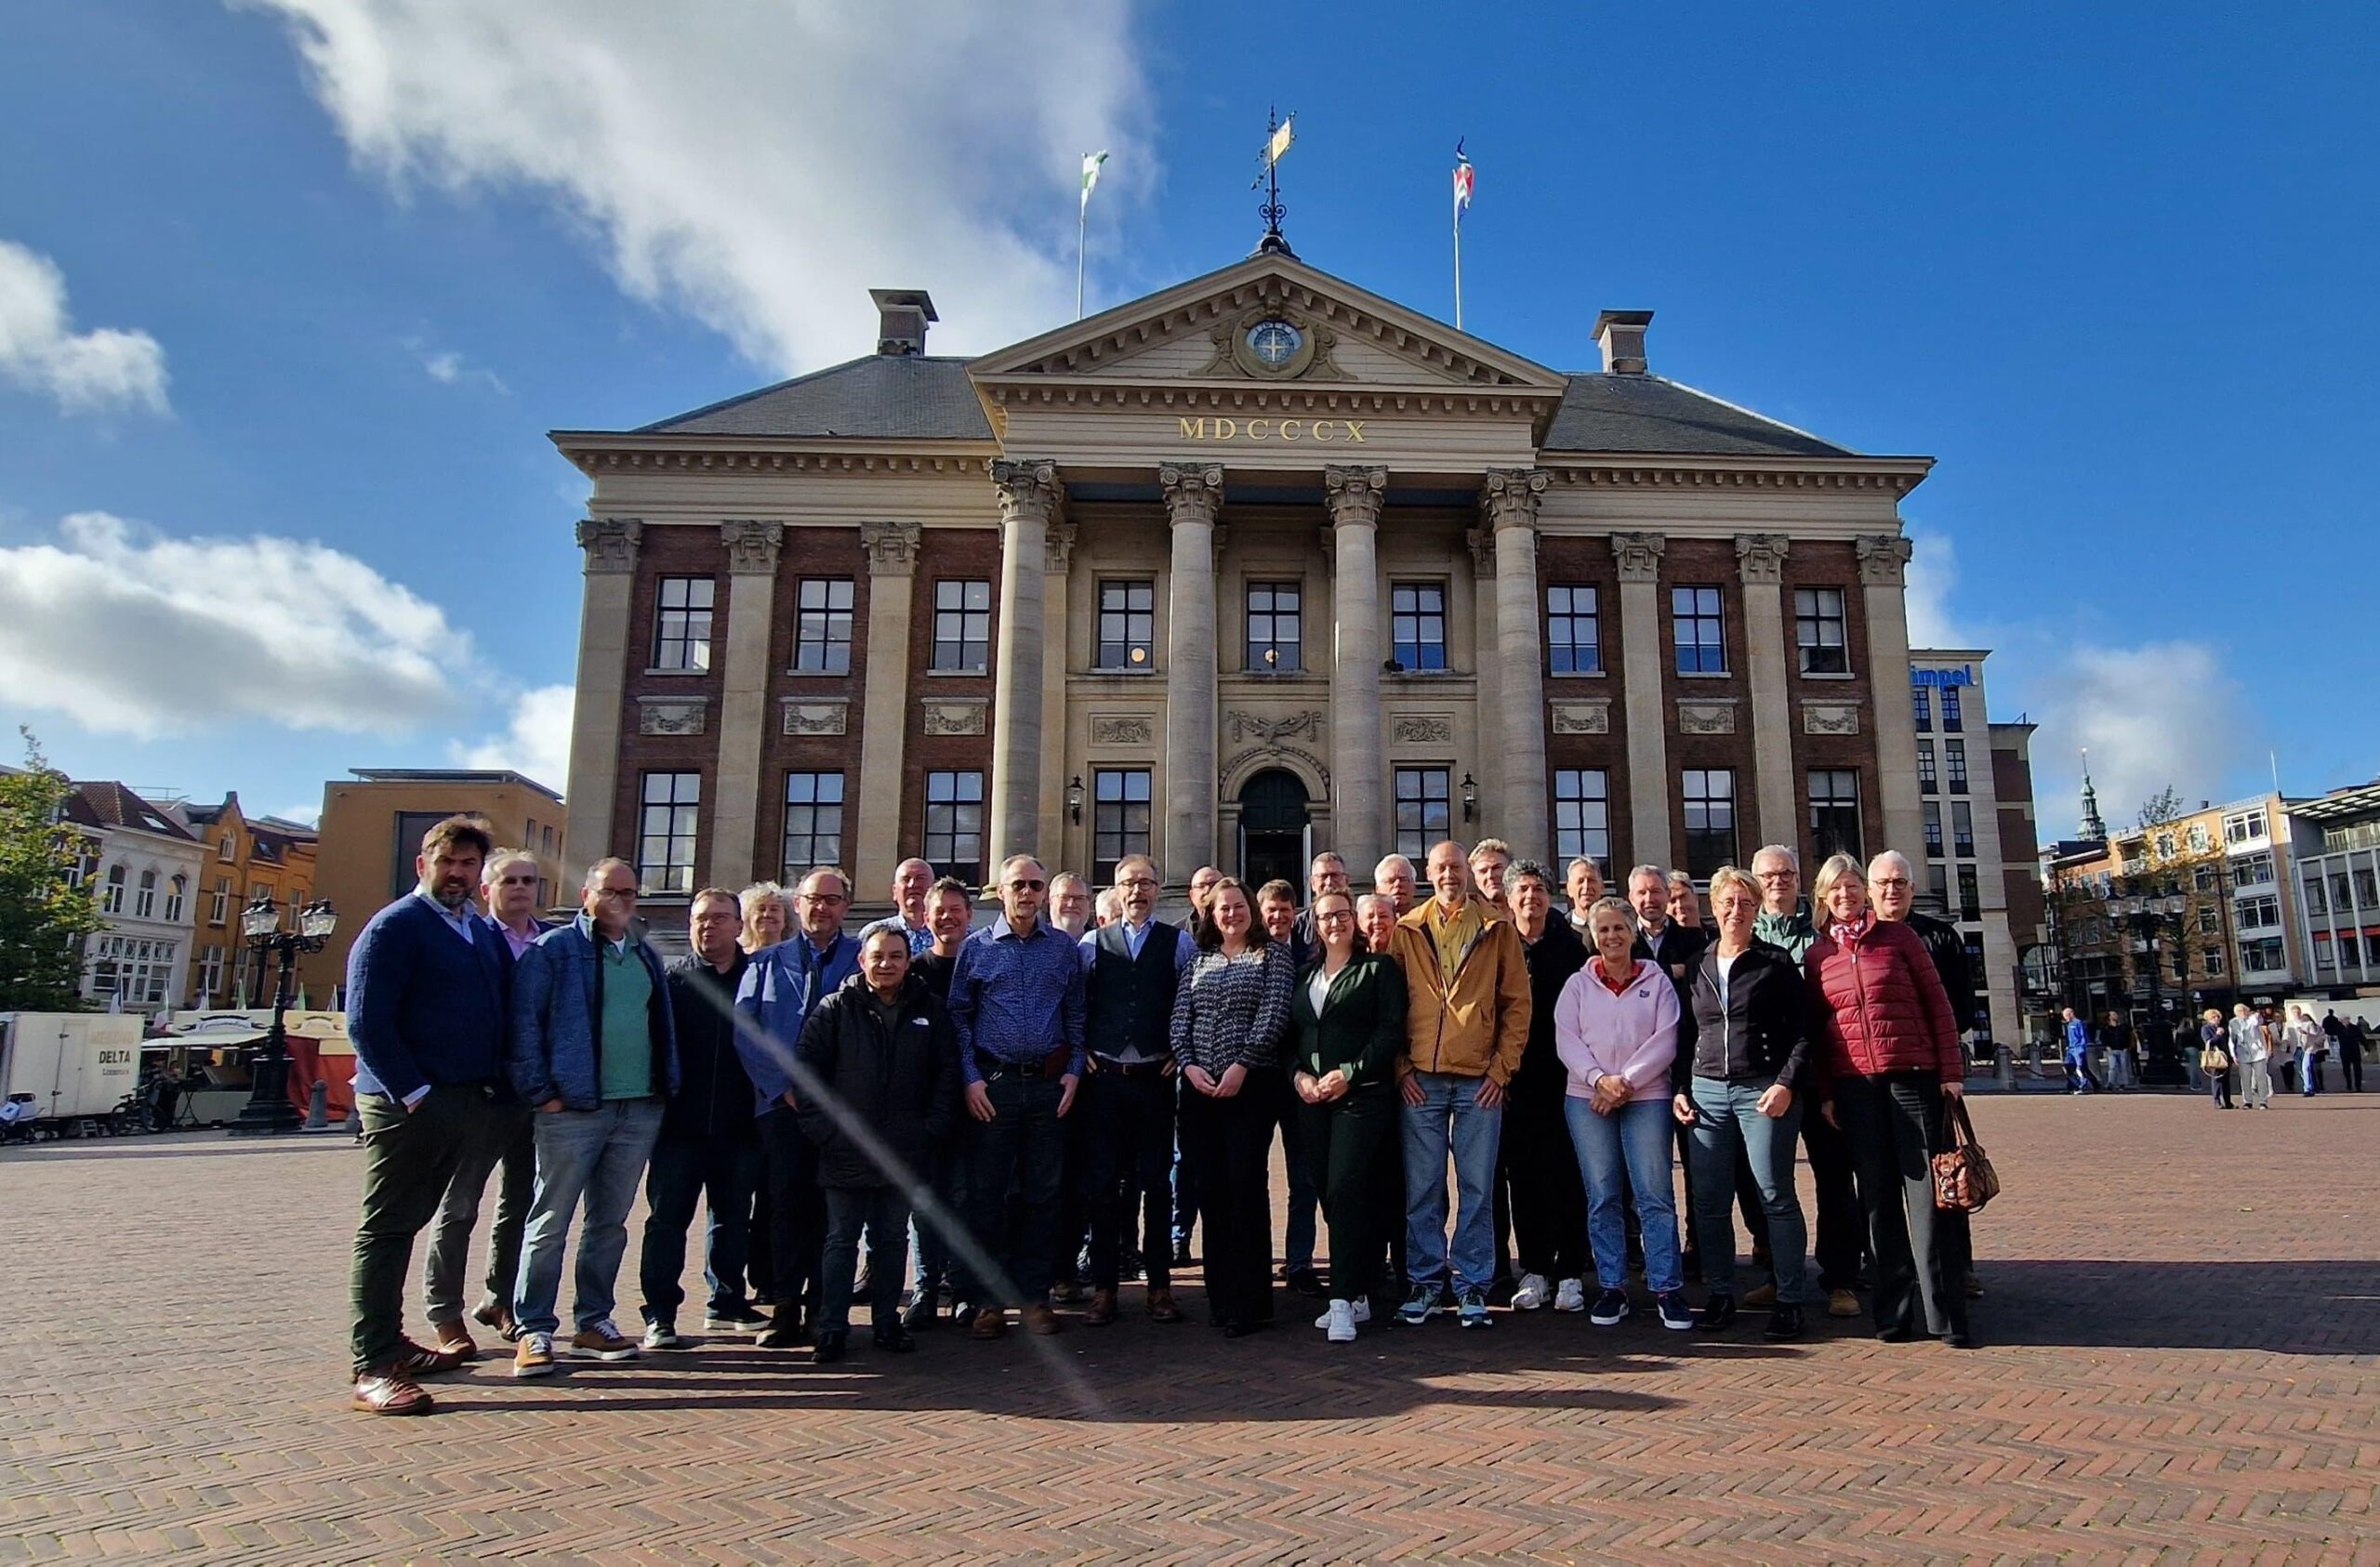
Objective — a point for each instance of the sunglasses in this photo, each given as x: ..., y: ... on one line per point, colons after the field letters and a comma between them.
x: 1023, y: 886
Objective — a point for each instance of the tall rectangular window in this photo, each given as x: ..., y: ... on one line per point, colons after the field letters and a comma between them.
x: 1921, y: 704
x: 813, y: 822
x: 1927, y: 777
x: 174, y: 891
x: 822, y: 628
x: 1970, y: 900
x: 1274, y: 627
x: 1709, y: 820
x: 1573, y: 631
x: 1932, y: 826
x: 1416, y: 614
x: 1937, y: 886
x: 112, y: 891
x: 210, y: 973
x: 1119, y: 825
x: 1954, y: 765
x: 1127, y: 624
x: 1835, y: 813
x: 1951, y: 722
x: 681, y: 624
x: 1700, y: 630
x: 1818, y: 631
x: 1582, y: 816
x: 671, y: 809
x: 962, y: 629
x: 1423, y: 817
x: 1976, y: 976
x: 218, y: 908
x: 144, y: 901
x: 954, y: 840
x: 1962, y: 829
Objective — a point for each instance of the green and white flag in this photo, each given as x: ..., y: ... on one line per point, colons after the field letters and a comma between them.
x: 1091, y: 161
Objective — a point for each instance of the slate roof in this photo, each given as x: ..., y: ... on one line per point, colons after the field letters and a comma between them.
x: 883, y: 397
x: 113, y: 805
x: 889, y: 397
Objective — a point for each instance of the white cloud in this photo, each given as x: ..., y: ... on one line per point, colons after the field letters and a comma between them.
x: 40, y: 349
x: 2152, y: 714
x: 757, y: 165
x: 447, y: 367
x: 130, y: 632
x: 535, y: 743
x: 1932, y: 574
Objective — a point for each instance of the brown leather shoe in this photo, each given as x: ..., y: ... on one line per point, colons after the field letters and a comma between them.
x: 1041, y: 1321
x: 1161, y: 1307
x: 991, y: 1321
x: 1103, y: 1308
x: 497, y: 1315
x: 413, y: 1360
x: 384, y: 1392
x: 453, y: 1338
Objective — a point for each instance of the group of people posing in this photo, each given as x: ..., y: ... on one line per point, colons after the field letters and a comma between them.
x: 1053, y: 1101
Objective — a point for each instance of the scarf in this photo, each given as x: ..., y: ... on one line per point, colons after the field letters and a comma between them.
x: 1844, y: 935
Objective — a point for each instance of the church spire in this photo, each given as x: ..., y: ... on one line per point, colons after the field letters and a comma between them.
x: 2093, y: 828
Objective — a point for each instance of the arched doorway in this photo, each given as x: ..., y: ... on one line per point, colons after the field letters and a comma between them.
x: 1273, y: 823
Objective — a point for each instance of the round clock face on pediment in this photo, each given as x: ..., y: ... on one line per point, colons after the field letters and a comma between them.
x: 1275, y: 343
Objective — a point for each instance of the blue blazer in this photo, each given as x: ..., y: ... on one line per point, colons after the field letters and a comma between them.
x: 556, y: 1049
x: 423, y: 1006
x: 782, y: 986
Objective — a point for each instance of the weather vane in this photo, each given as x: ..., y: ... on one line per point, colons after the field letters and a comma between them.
x: 1278, y: 133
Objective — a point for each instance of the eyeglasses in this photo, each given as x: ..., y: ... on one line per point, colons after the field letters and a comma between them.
x: 822, y: 897
x: 1336, y: 916
x: 1136, y: 881
x: 1779, y: 875
x: 1893, y: 881
x: 616, y: 892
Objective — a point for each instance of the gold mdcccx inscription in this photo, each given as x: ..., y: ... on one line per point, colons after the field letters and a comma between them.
x: 1320, y: 431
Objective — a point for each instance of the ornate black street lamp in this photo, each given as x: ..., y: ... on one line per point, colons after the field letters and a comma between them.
x: 268, y: 1109
x: 2145, y: 916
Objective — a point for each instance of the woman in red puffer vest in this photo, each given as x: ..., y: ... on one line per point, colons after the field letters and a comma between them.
x: 1891, y: 1047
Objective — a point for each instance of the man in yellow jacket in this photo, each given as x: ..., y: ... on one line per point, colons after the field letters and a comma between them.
x: 1466, y: 1023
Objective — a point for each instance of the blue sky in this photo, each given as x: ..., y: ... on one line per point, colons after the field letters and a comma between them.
x: 290, y: 292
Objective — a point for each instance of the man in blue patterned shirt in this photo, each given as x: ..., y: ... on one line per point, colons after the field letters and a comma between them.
x: 1016, y: 1002
x: 912, y: 879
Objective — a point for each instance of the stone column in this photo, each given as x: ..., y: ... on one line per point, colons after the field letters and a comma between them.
x: 1639, y: 557
x: 743, y: 698
x: 1486, y: 731
x: 1508, y: 503
x: 891, y: 580
x: 1057, y: 555
x: 1359, y: 765
x: 605, y: 637
x: 1881, y: 558
x: 1759, y: 562
x: 1194, y: 494
x: 1030, y: 496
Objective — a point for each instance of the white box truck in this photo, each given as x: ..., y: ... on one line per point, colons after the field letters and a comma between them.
x: 60, y: 1068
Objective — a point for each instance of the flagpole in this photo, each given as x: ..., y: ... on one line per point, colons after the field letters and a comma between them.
x: 1458, y: 271
x: 1082, y: 228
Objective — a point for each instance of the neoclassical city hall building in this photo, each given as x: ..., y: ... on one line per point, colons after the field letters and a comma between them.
x: 1252, y: 567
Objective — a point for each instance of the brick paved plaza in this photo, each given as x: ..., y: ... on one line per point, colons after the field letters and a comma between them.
x: 2181, y: 1330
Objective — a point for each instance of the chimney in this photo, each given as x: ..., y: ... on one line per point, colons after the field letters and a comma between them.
x: 901, y: 317
x: 1621, y: 333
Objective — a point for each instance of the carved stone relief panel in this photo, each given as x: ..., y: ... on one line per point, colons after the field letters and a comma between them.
x: 1708, y: 716
x: 670, y: 715
x: 1417, y: 729
x: 815, y: 717
x: 1586, y: 715
x: 1123, y: 728
x: 1829, y: 718
x: 957, y: 715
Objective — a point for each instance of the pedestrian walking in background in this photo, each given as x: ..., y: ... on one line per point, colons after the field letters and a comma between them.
x: 2252, y: 1052
x: 2116, y: 1039
x: 2079, y: 1078
x: 2214, y: 1056
x: 2352, y: 1053
x: 2303, y: 1038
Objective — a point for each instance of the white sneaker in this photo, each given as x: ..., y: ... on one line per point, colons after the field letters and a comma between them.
x: 1341, y: 1321
x: 1571, y: 1297
x: 1533, y: 1293
x: 1361, y: 1305
x: 661, y: 1334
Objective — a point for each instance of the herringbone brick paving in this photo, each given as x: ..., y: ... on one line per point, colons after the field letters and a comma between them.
x: 2179, y: 1363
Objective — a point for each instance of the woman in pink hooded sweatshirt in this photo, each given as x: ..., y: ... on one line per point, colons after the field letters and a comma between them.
x: 1616, y: 1029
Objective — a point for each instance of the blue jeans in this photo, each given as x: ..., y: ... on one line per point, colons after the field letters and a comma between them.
x: 1022, y: 1147
x: 726, y: 1169
x: 598, y: 1155
x: 1636, y: 1136
x: 1450, y: 1117
x: 1727, y: 1115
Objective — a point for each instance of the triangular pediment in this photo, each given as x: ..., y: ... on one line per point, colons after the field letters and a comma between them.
x: 1197, y: 333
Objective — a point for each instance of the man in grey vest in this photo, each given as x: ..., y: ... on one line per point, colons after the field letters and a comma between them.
x: 1131, y: 971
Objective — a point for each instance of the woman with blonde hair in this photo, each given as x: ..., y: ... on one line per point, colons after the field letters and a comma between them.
x: 1892, y: 1054
x: 2212, y: 1059
x: 768, y: 915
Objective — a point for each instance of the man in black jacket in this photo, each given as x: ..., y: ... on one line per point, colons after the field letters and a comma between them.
x: 709, y: 1144
x: 1892, y: 887
x: 886, y: 1096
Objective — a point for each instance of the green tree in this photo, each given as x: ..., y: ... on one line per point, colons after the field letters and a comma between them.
x: 44, y: 917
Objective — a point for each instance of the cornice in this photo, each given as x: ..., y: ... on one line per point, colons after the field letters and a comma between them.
x: 1322, y: 397
x: 1892, y: 475
x: 596, y: 454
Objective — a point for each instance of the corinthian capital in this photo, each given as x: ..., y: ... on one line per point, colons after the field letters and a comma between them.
x: 1639, y: 556
x: 752, y: 546
x: 1882, y: 555
x: 610, y: 543
x: 1354, y: 492
x: 1194, y: 491
x: 1761, y: 556
x: 1508, y: 496
x: 1029, y: 489
x: 1057, y: 549
x: 891, y: 547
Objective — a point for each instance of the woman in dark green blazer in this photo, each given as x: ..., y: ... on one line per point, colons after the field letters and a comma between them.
x: 1348, y: 1012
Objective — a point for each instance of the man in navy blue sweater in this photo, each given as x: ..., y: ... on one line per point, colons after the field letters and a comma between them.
x: 425, y: 996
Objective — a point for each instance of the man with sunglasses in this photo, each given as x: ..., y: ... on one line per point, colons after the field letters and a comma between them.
x: 1016, y: 1002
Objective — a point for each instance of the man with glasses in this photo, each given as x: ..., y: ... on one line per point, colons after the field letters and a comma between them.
x: 595, y: 1053
x: 509, y: 886
x: 1892, y: 887
x: 782, y: 986
x: 1016, y: 1001
x: 1841, y: 1227
x: 1132, y: 970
